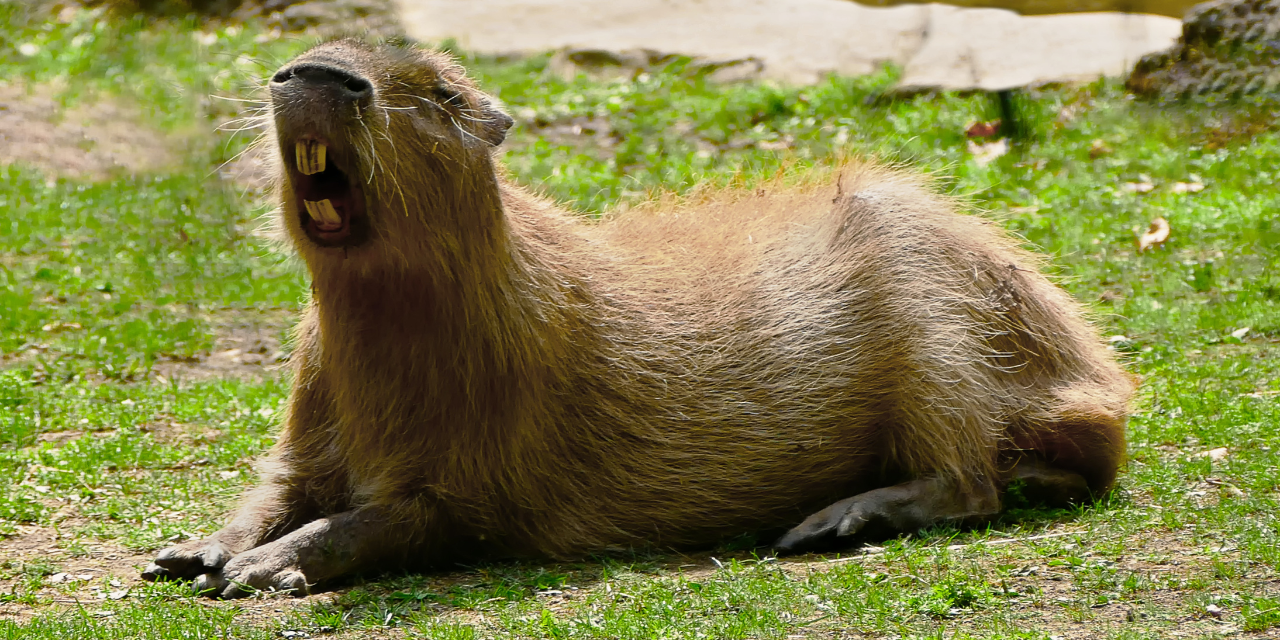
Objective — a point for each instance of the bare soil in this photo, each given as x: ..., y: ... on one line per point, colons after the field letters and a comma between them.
x: 96, y: 139
x: 96, y: 572
x: 247, y: 344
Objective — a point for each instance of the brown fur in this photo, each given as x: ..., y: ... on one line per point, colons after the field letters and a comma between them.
x: 492, y: 375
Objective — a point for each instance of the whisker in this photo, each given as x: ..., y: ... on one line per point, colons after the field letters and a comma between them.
x: 257, y: 141
x: 248, y: 100
x: 248, y: 123
x: 395, y: 181
x: 464, y: 131
x: 376, y: 162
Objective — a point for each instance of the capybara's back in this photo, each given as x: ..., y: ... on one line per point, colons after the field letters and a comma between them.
x: 768, y: 352
x: 483, y: 374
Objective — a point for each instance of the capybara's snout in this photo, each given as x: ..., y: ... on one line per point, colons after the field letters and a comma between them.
x: 331, y: 83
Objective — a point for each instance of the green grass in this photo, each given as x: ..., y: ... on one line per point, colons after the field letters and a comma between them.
x: 104, y: 284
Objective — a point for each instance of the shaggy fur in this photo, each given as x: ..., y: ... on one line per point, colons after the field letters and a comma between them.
x: 490, y: 375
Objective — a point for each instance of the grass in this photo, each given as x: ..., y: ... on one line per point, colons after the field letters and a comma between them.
x: 113, y: 295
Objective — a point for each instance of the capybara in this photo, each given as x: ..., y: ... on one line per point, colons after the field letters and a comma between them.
x: 483, y: 374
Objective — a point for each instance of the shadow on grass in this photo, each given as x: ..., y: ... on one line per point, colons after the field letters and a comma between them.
x: 428, y: 598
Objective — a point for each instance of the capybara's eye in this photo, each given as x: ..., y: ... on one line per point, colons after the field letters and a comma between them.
x: 445, y: 93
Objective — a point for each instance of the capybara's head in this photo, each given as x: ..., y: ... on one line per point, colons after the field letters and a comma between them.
x: 385, y: 153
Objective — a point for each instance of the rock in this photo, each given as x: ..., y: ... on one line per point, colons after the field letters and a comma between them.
x: 1169, y: 8
x: 1228, y: 49
x: 994, y: 49
x: 797, y: 41
x: 334, y: 17
x: 602, y: 63
x: 801, y: 41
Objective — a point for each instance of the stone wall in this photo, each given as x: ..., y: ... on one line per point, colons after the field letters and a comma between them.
x: 1229, y: 49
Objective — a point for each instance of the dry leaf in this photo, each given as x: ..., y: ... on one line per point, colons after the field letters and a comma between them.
x: 1099, y: 148
x: 1239, y: 334
x: 1226, y: 486
x: 61, y: 326
x: 1187, y: 187
x: 1138, y: 187
x: 983, y: 129
x: 1213, y: 455
x: 983, y: 154
x: 1155, y: 236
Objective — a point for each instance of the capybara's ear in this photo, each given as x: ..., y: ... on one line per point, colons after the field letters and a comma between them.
x: 494, y: 125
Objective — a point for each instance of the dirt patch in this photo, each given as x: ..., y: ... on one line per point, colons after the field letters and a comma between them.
x: 247, y: 345
x: 98, y: 571
x: 376, y: 17
x: 93, y: 139
x: 251, y: 170
x: 37, y: 565
x: 1042, y: 593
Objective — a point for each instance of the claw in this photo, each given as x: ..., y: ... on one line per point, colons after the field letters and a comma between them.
x: 212, y: 585
x: 155, y: 572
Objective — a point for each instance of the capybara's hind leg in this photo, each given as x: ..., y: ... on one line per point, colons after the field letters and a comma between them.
x: 888, y: 511
x: 1084, y: 438
x: 1042, y: 483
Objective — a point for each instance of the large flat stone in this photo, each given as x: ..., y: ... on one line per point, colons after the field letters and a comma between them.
x: 799, y: 41
x: 993, y: 49
x: 1170, y: 8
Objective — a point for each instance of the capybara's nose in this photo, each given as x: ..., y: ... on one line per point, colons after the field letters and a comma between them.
x: 346, y: 86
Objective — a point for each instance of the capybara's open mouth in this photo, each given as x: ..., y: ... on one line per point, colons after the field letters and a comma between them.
x: 330, y: 203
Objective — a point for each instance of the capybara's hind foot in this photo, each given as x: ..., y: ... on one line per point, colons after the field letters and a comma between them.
x: 188, y: 560
x: 1040, y: 483
x: 885, y: 512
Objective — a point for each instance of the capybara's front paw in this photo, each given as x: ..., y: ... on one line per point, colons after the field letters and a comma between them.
x: 271, y: 567
x: 188, y: 560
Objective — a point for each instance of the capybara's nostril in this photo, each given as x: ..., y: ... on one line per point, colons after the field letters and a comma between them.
x: 358, y: 87
x: 350, y: 86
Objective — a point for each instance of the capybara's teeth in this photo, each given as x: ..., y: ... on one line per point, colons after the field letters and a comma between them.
x: 313, y: 210
x: 328, y: 214
x: 310, y: 156
x: 300, y: 156
x: 317, y: 158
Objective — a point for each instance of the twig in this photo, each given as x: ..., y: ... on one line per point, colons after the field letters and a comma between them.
x: 809, y: 622
x: 1012, y: 540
